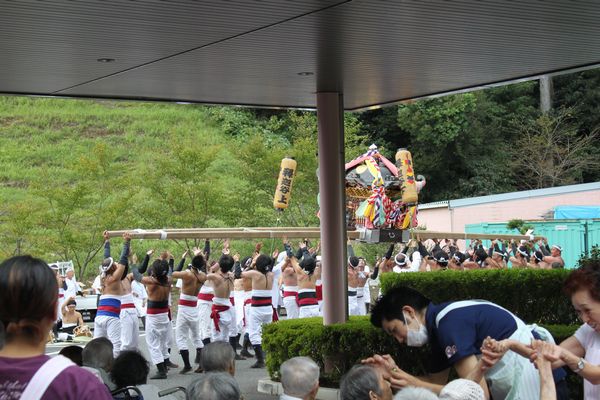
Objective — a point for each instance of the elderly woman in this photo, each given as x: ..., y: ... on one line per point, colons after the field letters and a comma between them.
x: 581, y: 352
x: 214, y: 386
x: 28, y: 297
x: 365, y: 382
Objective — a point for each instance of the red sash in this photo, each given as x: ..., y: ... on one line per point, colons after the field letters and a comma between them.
x: 260, y: 301
x: 215, y: 314
x: 127, y: 305
x: 319, y: 290
x: 188, y: 303
x: 153, y: 311
x: 290, y: 294
x: 246, y: 302
x: 205, y: 296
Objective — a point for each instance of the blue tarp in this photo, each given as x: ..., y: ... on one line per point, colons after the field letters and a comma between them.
x: 576, y: 212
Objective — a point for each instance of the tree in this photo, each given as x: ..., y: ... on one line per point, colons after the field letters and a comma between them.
x: 551, y: 152
x: 76, y: 212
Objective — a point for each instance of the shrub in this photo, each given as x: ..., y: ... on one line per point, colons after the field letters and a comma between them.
x: 533, y: 295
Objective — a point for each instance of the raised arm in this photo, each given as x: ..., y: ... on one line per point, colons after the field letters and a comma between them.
x: 206, y: 250
x: 124, y: 259
x: 181, y: 262
x: 350, y: 250
x: 106, y: 244
x: 144, y: 265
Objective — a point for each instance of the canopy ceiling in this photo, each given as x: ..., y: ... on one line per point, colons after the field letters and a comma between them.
x: 279, y: 53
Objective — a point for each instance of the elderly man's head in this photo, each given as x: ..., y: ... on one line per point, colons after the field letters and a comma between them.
x: 98, y: 353
x: 218, y: 357
x: 300, y: 378
x: 364, y: 382
x: 214, y: 386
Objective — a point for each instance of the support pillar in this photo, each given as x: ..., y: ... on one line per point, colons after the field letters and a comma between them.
x: 330, y: 115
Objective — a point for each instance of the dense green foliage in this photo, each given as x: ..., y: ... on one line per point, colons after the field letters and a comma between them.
x: 533, y: 295
x: 336, y: 348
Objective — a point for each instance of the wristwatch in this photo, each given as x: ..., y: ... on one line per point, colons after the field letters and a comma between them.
x: 580, y: 365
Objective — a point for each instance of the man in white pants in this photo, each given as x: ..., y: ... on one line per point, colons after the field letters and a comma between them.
x: 223, y: 313
x: 361, y: 293
x: 290, y: 291
x: 128, y: 315
x: 187, y: 313
x: 307, y: 274
x: 261, y: 303
x: 353, y: 285
x: 205, y: 303
x: 158, y: 323
x: 107, y: 322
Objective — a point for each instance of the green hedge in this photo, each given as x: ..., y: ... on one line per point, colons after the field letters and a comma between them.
x: 533, y: 295
x: 336, y: 348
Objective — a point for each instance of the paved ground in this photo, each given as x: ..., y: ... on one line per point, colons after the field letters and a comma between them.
x: 246, y: 376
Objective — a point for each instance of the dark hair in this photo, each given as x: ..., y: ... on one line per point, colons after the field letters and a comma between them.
x: 459, y: 257
x: 353, y: 261
x: 358, y: 382
x: 226, y: 263
x: 73, y: 353
x: 264, y: 263
x: 129, y: 369
x: 587, y: 278
x: 245, y: 263
x: 441, y: 257
x: 108, y: 265
x: 160, y: 270
x: 28, y: 294
x: 308, y: 264
x: 389, y: 306
x: 199, y: 263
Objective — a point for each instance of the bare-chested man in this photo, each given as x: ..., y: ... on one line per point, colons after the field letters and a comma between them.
x: 520, y: 257
x: 107, y: 322
x: 187, y: 313
x: 71, y: 319
x: 261, y: 303
x: 246, y: 286
x: 307, y: 274
x: 290, y: 290
x: 128, y: 315
x: 553, y: 256
x: 158, y: 285
x: 223, y: 313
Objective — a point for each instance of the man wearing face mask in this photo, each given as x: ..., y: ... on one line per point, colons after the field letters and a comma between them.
x: 455, y: 332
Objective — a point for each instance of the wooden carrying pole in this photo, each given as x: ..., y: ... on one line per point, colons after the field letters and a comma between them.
x: 225, y: 233
x: 290, y: 232
x: 468, y: 236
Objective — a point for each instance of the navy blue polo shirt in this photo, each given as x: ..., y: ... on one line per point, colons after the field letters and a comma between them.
x: 461, y: 331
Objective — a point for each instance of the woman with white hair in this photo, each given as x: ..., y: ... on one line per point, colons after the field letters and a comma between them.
x: 365, y: 382
x: 299, y: 378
